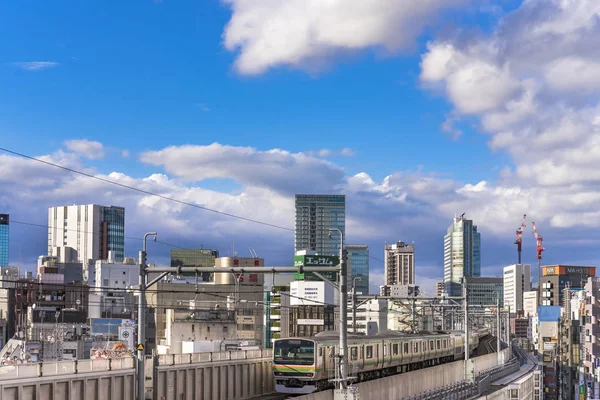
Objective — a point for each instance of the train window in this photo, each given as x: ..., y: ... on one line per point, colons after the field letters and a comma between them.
x: 332, y: 351
x: 416, y: 347
x: 320, y: 351
x: 444, y: 342
x: 405, y: 348
x: 384, y: 350
x: 395, y: 348
x: 369, y: 352
x: 362, y: 352
x: 439, y: 345
x: 354, y: 353
x: 431, y: 345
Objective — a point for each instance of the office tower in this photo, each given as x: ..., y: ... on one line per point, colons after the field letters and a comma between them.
x: 517, y: 280
x: 462, y: 254
x: 358, y: 267
x: 3, y: 240
x: 556, y: 278
x: 399, y: 261
x: 315, y: 215
x: 86, y: 232
x: 484, y: 291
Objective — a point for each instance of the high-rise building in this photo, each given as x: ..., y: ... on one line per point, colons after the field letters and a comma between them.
x: 556, y: 278
x: 4, y: 240
x: 399, y: 261
x: 316, y: 214
x: 462, y: 254
x: 440, y: 289
x: 517, y: 280
x: 358, y: 267
x: 86, y: 232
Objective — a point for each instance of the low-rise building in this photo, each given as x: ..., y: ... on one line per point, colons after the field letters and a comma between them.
x: 484, y: 291
x: 371, y: 317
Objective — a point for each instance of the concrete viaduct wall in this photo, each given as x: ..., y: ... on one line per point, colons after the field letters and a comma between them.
x: 69, y: 380
x: 213, y: 376
x: 415, y: 382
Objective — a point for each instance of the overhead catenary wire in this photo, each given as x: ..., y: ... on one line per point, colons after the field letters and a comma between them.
x: 146, y: 192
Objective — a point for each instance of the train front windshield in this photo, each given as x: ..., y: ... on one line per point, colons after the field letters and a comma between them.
x: 294, y: 352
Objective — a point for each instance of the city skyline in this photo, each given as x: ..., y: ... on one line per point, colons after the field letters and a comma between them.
x: 232, y: 128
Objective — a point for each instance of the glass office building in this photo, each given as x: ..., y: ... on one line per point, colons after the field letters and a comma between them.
x: 315, y: 215
x: 113, y: 233
x: 195, y: 258
x: 462, y: 254
x: 3, y: 240
x: 358, y: 266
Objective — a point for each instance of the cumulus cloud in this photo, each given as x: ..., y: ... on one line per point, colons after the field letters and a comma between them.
x: 35, y: 65
x: 278, y: 169
x: 532, y: 83
x: 308, y: 33
x: 86, y: 148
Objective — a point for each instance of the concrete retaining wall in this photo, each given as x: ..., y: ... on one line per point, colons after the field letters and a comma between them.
x: 108, y: 385
x: 236, y: 379
x: 412, y: 383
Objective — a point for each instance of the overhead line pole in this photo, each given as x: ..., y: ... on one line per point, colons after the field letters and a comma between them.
x: 163, y: 271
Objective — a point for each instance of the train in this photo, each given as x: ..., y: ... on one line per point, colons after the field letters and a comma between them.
x: 307, y: 365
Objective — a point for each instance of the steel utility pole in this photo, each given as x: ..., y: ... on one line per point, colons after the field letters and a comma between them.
x: 343, y: 376
x: 466, y: 327
x: 354, y: 303
x: 141, y: 356
x: 498, y: 326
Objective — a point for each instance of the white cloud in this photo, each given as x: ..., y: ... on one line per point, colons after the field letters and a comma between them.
x: 532, y: 83
x: 86, y: 148
x: 35, y: 65
x: 307, y: 33
x: 125, y: 153
x: 275, y: 168
x: 347, y: 152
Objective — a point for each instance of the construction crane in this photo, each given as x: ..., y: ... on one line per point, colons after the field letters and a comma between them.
x: 538, y: 241
x: 519, y: 240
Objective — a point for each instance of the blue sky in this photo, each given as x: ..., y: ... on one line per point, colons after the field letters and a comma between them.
x: 437, y: 96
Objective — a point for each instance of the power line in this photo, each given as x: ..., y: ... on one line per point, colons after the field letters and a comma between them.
x: 144, y: 191
x: 85, y: 232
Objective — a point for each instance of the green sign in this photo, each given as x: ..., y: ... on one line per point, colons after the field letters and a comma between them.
x: 315, y: 261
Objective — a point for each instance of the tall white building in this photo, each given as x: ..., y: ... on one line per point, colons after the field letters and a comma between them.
x: 517, y: 280
x: 462, y: 254
x: 86, y: 232
x: 399, y: 261
x: 530, y: 303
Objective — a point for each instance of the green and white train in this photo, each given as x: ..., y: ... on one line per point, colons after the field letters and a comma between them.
x: 306, y: 365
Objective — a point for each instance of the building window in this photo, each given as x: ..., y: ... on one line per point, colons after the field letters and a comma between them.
x: 225, y: 329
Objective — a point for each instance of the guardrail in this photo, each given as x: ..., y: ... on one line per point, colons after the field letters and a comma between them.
x: 56, y: 368
x: 178, y: 359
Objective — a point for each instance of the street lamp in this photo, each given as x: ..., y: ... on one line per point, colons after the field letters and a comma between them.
x: 357, y: 278
x: 343, y: 313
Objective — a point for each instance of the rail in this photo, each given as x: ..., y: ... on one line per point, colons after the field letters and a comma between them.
x: 36, y: 370
x: 194, y: 358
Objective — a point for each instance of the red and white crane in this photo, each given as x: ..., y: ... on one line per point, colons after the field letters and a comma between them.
x: 540, y: 248
x: 519, y: 241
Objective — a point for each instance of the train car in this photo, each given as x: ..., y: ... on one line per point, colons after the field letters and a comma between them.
x: 306, y: 365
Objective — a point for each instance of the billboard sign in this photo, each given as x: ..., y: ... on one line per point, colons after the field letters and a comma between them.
x: 312, y: 293
x: 315, y: 261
